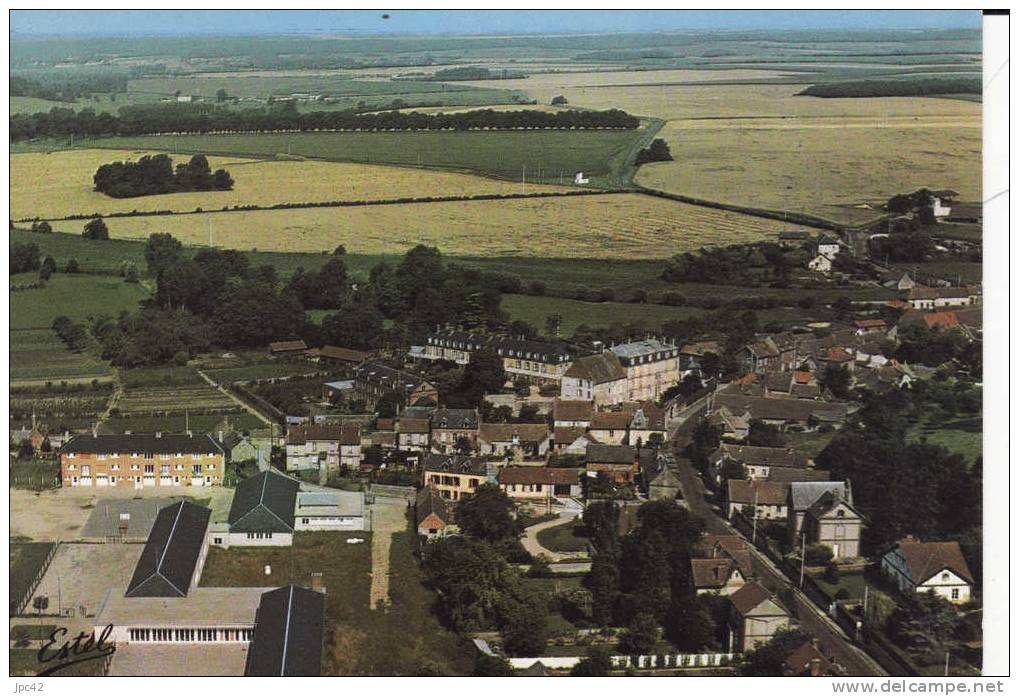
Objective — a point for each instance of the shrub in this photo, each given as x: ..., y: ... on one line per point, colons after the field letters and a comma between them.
x: 818, y: 555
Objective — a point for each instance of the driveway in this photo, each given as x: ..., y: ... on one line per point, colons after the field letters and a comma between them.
x: 388, y: 516
x: 530, y: 541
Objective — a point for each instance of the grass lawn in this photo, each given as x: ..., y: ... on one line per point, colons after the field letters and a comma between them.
x: 811, y: 443
x: 853, y: 583
x: 25, y: 663
x: 75, y: 296
x: 962, y: 435
x: 404, y: 639
x: 564, y: 537
x: 26, y: 559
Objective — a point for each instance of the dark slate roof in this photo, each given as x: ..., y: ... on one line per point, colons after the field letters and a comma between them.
x: 611, y: 454
x: 168, y: 560
x: 264, y: 503
x: 601, y: 368
x: 387, y: 377
x: 548, y: 353
x: 287, y: 642
x: 142, y: 443
x: 430, y: 502
x: 455, y: 463
x: 455, y: 418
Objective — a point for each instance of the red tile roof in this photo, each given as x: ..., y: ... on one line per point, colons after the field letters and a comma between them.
x: 768, y: 492
x: 539, y: 475
x: 748, y: 597
x: 567, y: 410
x: 943, y: 320
x: 927, y: 559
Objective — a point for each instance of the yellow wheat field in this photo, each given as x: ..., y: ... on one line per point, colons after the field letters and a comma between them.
x: 630, y: 226
x: 59, y: 184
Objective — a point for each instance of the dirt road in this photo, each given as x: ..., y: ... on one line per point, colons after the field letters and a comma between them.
x: 388, y: 516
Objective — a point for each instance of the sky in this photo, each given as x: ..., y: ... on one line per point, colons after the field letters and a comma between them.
x: 364, y: 22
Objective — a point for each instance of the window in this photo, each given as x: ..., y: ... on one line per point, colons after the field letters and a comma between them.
x: 196, y: 456
x: 149, y: 455
x: 944, y: 576
x: 840, y: 513
x: 955, y: 593
x: 150, y: 468
x: 217, y: 540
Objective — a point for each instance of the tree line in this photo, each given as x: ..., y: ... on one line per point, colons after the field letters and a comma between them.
x: 145, y: 119
x: 154, y: 174
x: 896, y: 88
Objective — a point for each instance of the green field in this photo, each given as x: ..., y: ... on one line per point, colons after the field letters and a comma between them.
x: 404, y: 639
x: 532, y: 155
x: 78, y: 297
x: 37, y: 355
x: 179, y: 423
x: 960, y: 435
x: 35, y: 474
x: 160, y: 377
x: 26, y: 560
x: 534, y: 310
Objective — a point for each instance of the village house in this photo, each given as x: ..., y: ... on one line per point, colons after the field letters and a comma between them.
x: 934, y: 566
x: 758, y: 462
x: 621, y: 462
x: 823, y: 512
x: 432, y: 513
x: 720, y: 564
x: 238, y: 448
x: 323, y: 447
x: 755, y: 616
x: 735, y: 427
x: 283, y: 348
x: 805, y: 413
x: 828, y: 246
x: 514, y: 441
x: 413, y: 434
x: 651, y: 366
x: 142, y: 459
x: 611, y: 427
x: 658, y: 481
x: 936, y: 298
x: 453, y: 428
x: 572, y: 414
x: 647, y: 425
x: 796, y: 384
x: 571, y: 440
x: 539, y: 484
x: 870, y: 327
x: 898, y: 280
x: 599, y: 378
x: 261, y: 513
x: 530, y: 360
x: 335, y: 355
x: 454, y: 476
x: 765, y: 500
x: 338, y: 391
x: 768, y: 354
x: 808, y: 661
x: 691, y: 357
x: 373, y: 380
x: 820, y: 264
x: 325, y: 510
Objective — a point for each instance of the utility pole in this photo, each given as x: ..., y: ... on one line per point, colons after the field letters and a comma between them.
x: 803, y: 555
x: 210, y: 230
x: 947, y: 653
x: 753, y: 539
x: 523, y: 177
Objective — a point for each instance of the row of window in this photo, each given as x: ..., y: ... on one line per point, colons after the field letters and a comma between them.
x: 146, y: 455
x: 165, y: 480
x: 189, y: 635
x: 149, y: 468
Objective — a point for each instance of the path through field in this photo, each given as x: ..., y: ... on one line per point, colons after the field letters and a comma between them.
x: 388, y: 517
x: 226, y: 392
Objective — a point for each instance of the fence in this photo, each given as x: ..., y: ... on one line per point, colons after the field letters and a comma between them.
x: 665, y: 661
x: 382, y: 490
x: 23, y: 602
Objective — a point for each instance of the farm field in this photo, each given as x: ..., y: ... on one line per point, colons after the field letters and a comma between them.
x: 59, y: 408
x: 38, y: 356
x: 178, y: 423
x: 535, y: 310
x: 26, y: 560
x: 59, y: 184
x: 538, y: 155
x: 77, y: 297
x: 199, y: 399
x: 759, y: 144
x: 628, y: 226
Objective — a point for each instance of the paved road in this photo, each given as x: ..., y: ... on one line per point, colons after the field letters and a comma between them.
x: 811, y: 618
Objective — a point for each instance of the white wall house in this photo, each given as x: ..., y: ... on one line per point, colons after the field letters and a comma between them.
x: 937, y: 567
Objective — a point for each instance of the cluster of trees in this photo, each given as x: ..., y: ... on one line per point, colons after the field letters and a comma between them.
x: 469, y: 72
x: 641, y: 581
x: 58, y: 87
x: 906, y: 487
x: 896, y: 88
x: 74, y: 336
x: 738, y: 264
x: 478, y: 587
x: 919, y: 344
x: 657, y: 151
x: 23, y: 257
x: 154, y: 174
x: 142, y: 119
x: 96, y: 229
